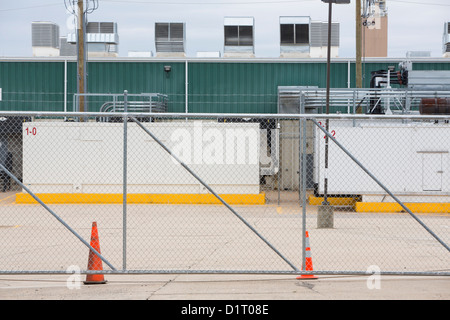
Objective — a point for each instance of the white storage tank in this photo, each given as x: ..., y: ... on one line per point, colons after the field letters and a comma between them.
x: 87, y: 157
x: 412, y: 160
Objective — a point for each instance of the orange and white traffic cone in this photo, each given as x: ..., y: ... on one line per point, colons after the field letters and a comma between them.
x: 308, y: 262
x: 95, y: 263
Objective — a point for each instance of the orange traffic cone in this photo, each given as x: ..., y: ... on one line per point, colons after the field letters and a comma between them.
x: 95, y: 263
x: 309, y: 264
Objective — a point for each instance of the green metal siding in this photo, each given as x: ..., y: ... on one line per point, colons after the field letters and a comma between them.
x: 32, y: 86
x: 431, y: 66
x: 253, y: 87
x: 213, y: 86
x: 136, y: 78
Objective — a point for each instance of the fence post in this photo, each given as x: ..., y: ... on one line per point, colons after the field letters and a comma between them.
x: 303, y: 175
x: 125, y: 165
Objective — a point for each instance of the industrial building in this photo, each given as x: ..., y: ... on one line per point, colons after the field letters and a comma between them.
x: 219, y: 85
x: 237, y: 82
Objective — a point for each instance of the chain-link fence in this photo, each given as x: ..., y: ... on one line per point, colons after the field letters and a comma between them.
x: 225, y: 193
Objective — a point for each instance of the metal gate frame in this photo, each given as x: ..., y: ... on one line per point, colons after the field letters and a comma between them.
x: 302, y: 118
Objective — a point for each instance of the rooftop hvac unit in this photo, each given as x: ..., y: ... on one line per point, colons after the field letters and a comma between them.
x: 295, y: 36
x: 45, y: 39
x: 45, y: 34
x: 98, y: 32
x: 301, y: 37
x: 334, y: 34
x: 170, y: 37
x: 446, y: 40
x: 101, y: 27
x: 67, y: 49
x: 319, y: 39
x: 239, y: 36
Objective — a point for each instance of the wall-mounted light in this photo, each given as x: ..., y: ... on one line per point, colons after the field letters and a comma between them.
x: 167, y: 69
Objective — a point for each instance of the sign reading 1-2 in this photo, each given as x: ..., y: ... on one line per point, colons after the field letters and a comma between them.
x: 31, y: 131
x: 332, y: 132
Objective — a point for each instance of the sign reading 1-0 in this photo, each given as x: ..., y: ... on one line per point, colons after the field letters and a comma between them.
x: 31, y: 131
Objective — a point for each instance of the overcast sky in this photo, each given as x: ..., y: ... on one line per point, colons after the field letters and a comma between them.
x: 414, y: 25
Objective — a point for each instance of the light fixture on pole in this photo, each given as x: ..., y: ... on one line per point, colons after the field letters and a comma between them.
x: 325, y: 213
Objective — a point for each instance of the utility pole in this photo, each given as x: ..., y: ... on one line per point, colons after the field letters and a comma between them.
x: 81, y: 57
x: 358, y: 45
x: 80, y: 11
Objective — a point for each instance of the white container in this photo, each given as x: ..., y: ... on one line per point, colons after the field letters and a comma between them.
x: 75, y: 157
x: 411, y: 160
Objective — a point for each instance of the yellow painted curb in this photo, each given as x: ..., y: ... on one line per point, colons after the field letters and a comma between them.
x: 395, y: 207
x: 316, y: 201
x: 92, y: 198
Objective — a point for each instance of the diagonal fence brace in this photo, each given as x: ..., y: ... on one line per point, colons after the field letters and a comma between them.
x: 57, y: 217
x: 214, y: 193
x: 330, y: 136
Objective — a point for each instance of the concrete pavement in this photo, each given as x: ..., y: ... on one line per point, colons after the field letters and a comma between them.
x: 224, y: 287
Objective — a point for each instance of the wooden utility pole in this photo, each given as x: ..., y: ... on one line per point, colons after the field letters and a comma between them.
x: 358, y: 45
x: 81, y: 57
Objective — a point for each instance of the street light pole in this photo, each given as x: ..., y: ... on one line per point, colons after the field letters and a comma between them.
x: 325, y: 217
x: 327, y: 126
x: 358, y: 45
x: 81, y: 57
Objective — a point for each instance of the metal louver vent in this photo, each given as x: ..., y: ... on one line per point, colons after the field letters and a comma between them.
x: 239, y: 35
x: 334, y: 34
x: 316, y: 34
x: 176, y: 32
x: 169, y: 37
x: 101, y: 27
x: 67, y: 49
x: 294, y: 33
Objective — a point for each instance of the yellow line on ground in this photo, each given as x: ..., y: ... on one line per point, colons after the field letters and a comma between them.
x: 334, y: 201
x: 395, y: 207
x: 82, y: 198
x: 7, y: 198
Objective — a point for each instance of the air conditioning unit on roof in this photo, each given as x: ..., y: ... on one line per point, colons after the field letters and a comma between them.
x: 239, y: 37
x: 170, y: 39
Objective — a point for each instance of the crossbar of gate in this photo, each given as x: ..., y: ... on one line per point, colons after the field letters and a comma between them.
x: 88, y: 245
x: 215, y: 194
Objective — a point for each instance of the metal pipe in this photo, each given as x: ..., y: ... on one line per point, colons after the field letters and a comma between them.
x: 125, y: 164
x: 273, y: 272
x: 231, y: 115
x: 325, y: 196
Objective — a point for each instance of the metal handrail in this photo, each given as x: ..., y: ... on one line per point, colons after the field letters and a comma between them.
x: 395, y: 100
